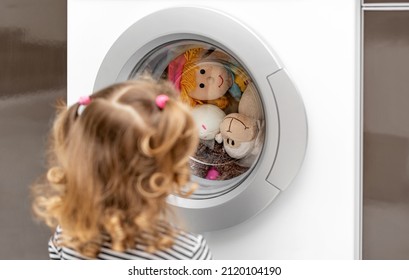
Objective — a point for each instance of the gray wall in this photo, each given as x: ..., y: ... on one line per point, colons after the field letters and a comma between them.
x: 33, y: 57
x: 386, y: 135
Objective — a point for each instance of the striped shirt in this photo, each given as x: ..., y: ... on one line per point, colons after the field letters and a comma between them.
x: 187, y: 246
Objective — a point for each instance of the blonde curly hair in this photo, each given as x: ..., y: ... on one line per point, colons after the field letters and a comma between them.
x: 112, y: 167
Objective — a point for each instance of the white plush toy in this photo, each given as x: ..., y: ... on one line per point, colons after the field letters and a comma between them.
x: 208, y: 119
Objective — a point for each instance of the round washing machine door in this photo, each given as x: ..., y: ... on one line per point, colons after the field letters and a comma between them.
x: 251, y: 119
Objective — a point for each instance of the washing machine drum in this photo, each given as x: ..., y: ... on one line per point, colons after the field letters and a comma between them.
x: 250, y: 117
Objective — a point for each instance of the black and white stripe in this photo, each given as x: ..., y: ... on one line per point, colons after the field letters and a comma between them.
x: 187, y: 246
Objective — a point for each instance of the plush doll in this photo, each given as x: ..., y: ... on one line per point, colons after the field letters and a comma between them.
x: 242, y: 132
x: 203, y: 79
x: 210, y: 82
x: 239, y: 134
x: 208, y: 119
x: 250, y: 104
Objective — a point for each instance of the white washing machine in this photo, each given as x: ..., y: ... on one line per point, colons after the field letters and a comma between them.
x: 260, y: 121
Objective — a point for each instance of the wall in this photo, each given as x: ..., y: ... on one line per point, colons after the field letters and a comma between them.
x: 386, y: 134
x: 32, y: 76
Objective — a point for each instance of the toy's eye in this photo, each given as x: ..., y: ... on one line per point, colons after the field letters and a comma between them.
x: 232, y: 142
x: 202, y: 71
x: 228, y: 141
x: 201, y: 85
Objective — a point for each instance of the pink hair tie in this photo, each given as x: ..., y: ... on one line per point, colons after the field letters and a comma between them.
x: 161, y: 101
x: 83, y: 101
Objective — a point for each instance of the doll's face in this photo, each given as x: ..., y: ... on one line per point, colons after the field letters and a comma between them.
x: 212, y: 81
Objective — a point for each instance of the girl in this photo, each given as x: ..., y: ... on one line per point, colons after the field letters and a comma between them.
x: 115, y: 157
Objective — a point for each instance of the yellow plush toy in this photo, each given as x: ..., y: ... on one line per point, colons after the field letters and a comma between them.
x: 202, y: 78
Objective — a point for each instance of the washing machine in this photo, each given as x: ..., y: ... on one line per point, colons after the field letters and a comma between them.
x: 248, y: 107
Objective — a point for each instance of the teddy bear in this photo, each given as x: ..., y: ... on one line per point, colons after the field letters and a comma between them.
x: 242, y: 133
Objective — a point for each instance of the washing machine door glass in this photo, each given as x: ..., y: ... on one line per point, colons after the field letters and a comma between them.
x: 225, y: 105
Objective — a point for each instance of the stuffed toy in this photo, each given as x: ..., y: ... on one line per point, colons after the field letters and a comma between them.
x: 250, y: 104
x: 208, y: 119
x: 242, y: 133
x: 201, y: 78
x: 238, y: 133
x: 212, y: 83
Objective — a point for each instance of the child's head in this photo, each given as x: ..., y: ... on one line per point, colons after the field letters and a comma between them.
x: 113, y: 165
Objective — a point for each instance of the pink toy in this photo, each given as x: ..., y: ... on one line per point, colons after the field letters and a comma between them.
x: 212, y: 174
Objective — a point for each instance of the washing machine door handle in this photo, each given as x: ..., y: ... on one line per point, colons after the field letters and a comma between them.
x: 293, y: 130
